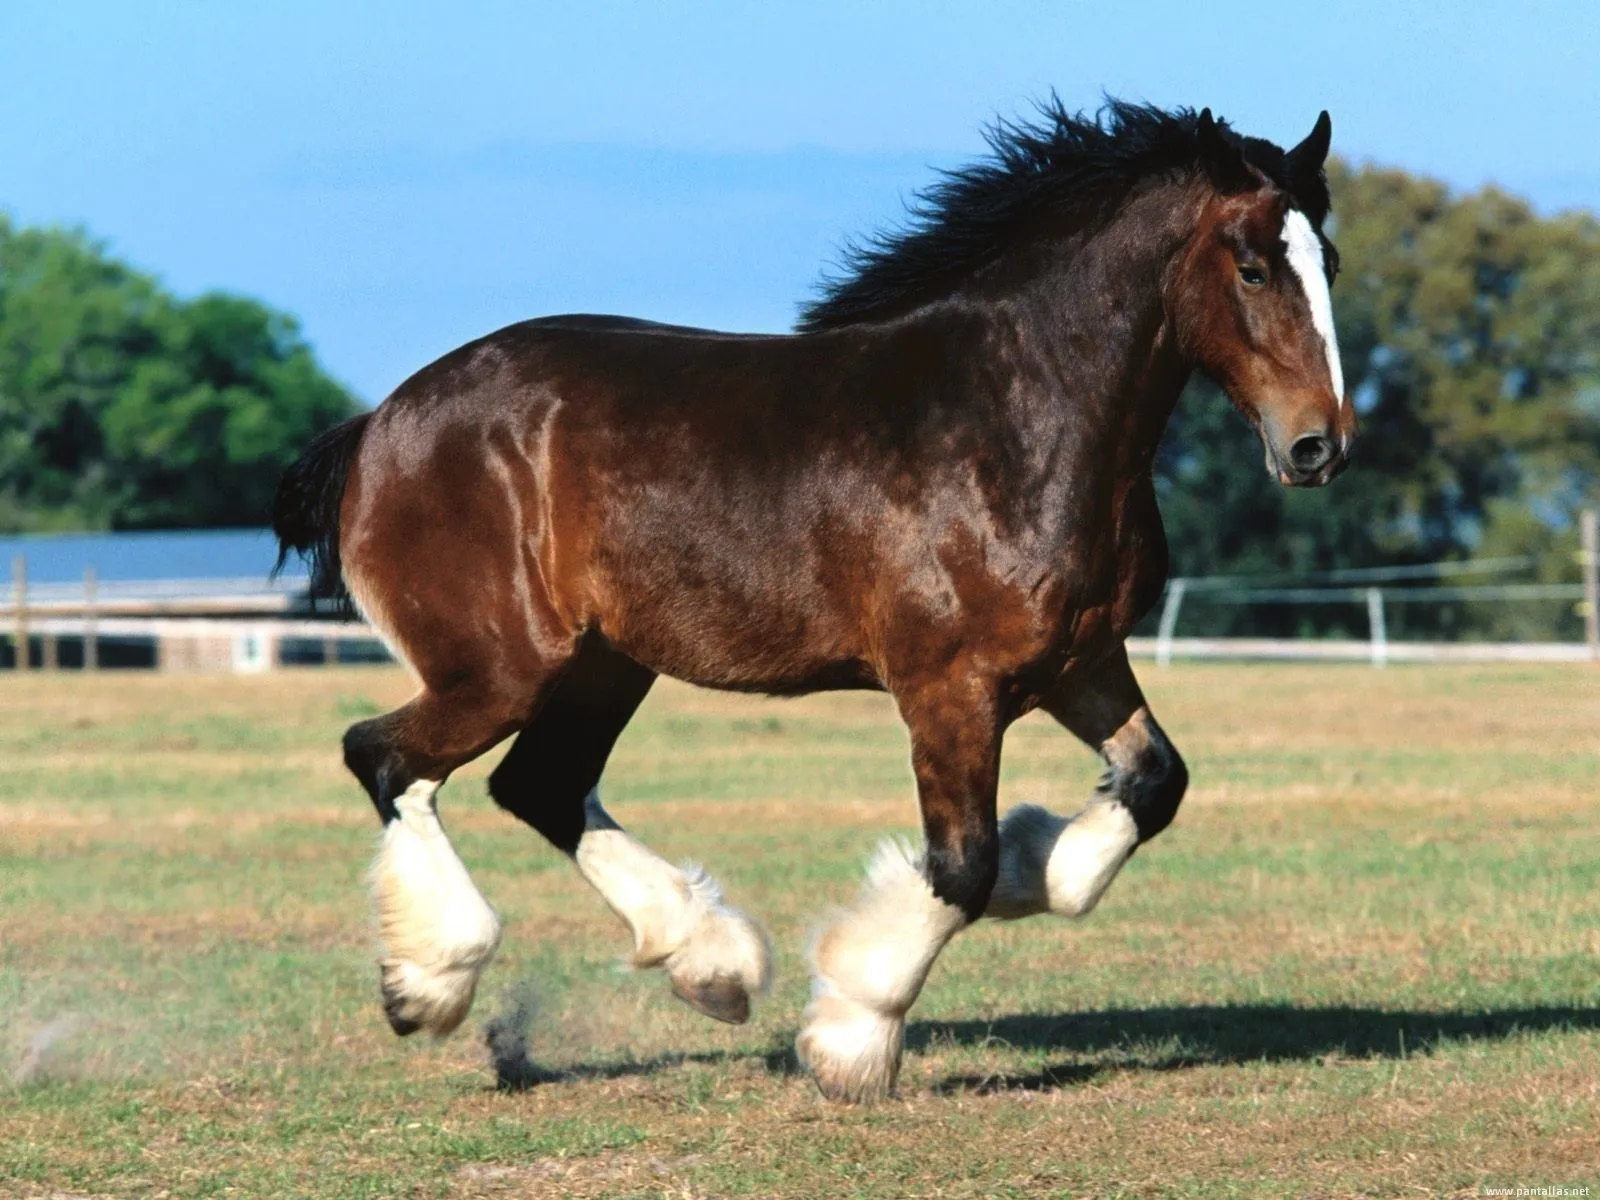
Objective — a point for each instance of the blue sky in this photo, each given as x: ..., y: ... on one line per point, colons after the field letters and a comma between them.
x: 406, y: 176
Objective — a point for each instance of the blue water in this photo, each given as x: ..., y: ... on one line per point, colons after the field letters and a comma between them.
x: 178, y: 554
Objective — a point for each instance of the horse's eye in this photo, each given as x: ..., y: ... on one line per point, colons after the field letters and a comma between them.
x: 1251, y: 275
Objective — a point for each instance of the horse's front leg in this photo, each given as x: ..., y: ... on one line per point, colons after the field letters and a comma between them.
x: 870, y: 965
x: 1063, y: 865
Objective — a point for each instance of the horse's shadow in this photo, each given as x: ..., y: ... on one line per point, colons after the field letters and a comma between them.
x: 1177, y: 1038
x: 1146, y: 1039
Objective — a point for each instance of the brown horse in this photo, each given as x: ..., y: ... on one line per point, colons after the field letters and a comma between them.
x: 938, y: 487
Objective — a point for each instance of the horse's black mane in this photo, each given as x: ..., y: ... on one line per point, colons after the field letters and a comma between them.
x: 1062, y: 171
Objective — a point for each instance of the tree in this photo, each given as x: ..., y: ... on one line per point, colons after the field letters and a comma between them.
x: 124, y: 407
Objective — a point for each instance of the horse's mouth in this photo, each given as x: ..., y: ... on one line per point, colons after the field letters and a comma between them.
x: 1279, y: 468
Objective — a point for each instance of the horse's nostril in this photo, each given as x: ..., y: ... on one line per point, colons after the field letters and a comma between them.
x: 1312, y: 453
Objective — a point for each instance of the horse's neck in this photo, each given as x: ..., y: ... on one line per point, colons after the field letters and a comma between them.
x: 1097, y: 322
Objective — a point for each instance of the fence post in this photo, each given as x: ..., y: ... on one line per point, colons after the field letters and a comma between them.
x: 1589, y: 527
x: 1380, y: 634
x: 19, y: 598
x: 1169, y: 620
x: 91, y: 632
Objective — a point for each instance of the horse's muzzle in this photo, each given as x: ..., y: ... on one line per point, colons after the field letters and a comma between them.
x: 1311, y: 460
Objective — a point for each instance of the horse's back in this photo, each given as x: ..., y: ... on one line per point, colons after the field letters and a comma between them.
x: 645, y: 481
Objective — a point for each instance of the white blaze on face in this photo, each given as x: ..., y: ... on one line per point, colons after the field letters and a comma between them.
x: 1305, y: 260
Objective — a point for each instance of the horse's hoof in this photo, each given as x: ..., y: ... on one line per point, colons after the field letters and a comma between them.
x: 403, y: 1026
x: 394, y: 1003
x: 722, y: 962
x: 414, y: 999
x: 720, y: 998
x: 852, y: 1052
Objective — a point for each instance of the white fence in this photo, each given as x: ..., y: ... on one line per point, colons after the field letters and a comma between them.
x: 197, y: 624
x: 1364, y: 588
x: 1347, y: 650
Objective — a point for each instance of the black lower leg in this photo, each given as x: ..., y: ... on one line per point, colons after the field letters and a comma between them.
x: 371, y: 755
x: 558, y: 758
x: 963, y: 873
x: 1107, y: 711
x: 1152, y: 785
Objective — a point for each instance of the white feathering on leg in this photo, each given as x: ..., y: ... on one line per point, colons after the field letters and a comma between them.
x: 870, y: 965
x: 721, y: 939
x: 716, y: 956
x: 438, y: 931
x: 1060, y: 865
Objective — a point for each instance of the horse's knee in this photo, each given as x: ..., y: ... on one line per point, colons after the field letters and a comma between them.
x: 1153, y: 787
x: 964, y: 875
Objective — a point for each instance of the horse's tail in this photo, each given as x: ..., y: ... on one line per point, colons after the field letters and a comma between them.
x: 305, y: 511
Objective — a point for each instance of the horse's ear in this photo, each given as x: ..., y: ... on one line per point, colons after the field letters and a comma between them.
x: 1306, y: 159
x: 1222, y: 155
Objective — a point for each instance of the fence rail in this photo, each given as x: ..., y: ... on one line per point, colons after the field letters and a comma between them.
x: 1332, y: 587
x: 1350, y: 650
x: 93, y: 589
x: 240, y: 621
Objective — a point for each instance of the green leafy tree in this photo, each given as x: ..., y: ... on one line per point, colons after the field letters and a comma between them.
x: 124, y: 407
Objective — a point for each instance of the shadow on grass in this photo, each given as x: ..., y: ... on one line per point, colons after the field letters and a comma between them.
x: 1170, y: 1039
x: 1136, y: 1039
x: 521, y: 1075
x: 507, y: 1037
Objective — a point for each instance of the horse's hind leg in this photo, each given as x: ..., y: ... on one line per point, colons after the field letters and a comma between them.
x: 438, y: 932
x: 715, y: 956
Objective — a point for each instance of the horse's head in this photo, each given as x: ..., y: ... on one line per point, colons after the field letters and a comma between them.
x: 1249, y: 298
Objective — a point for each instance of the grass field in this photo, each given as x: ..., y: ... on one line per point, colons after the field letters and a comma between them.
x: 1362, y: 961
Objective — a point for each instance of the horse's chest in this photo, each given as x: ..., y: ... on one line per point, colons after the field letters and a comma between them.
x: 1120, y: 576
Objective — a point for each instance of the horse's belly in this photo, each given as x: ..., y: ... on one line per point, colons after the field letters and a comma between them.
x: 718, y: 635
x: 743, y: 664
